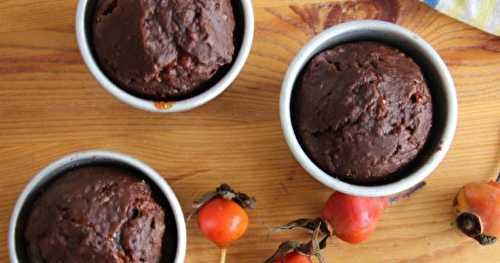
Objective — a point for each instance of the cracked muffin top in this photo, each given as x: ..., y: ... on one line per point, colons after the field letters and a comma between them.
x: 362, y: 111
x: 95, y: 214
x: 163, y: 49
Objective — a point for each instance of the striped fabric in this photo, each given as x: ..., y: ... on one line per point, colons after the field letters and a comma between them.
x: 483, y: 14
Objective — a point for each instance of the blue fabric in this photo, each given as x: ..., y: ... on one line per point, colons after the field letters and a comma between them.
x: 432, y: 3
x: 483, y: 14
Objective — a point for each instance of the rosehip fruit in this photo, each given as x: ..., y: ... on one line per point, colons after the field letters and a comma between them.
x: 222, y: 221
x: 222, y: 218
x: 350, y: 218
x: 353, y: 218
x: 478, y: 211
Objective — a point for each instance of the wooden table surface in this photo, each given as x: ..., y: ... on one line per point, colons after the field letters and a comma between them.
x: 50, y: 106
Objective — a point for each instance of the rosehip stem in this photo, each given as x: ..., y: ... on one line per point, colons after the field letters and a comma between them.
x: 223, y: 255
x: 407, y: 193
x: 498, y: 178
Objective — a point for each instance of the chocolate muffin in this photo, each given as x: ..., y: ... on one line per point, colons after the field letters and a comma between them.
x: 362, y: 111
x: 163, y: 49
x: 95, y: 214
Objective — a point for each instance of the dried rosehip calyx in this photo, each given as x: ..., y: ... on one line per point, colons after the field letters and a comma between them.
x: 296, y: 252
x: 471, y: 225
x: 225, y: 191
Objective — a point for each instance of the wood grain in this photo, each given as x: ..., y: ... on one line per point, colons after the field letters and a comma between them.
x: 51, y: 106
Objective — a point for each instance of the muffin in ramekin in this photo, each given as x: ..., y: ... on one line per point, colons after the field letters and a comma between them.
x: 100, y: 206
x: 165, y: 57
x: 368, y: 108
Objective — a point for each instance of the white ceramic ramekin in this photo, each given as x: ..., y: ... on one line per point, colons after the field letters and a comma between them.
x: 245, y: 21
x: 440, y: 83
x: 58, y: 167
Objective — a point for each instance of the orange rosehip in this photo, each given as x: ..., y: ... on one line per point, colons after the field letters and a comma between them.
x: 222, y: 221
x: 478, y: 211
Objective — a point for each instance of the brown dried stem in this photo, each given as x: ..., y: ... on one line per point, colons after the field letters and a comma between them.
x: 312, y: 248
x: 283, y: 249
x: 305, y: 223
